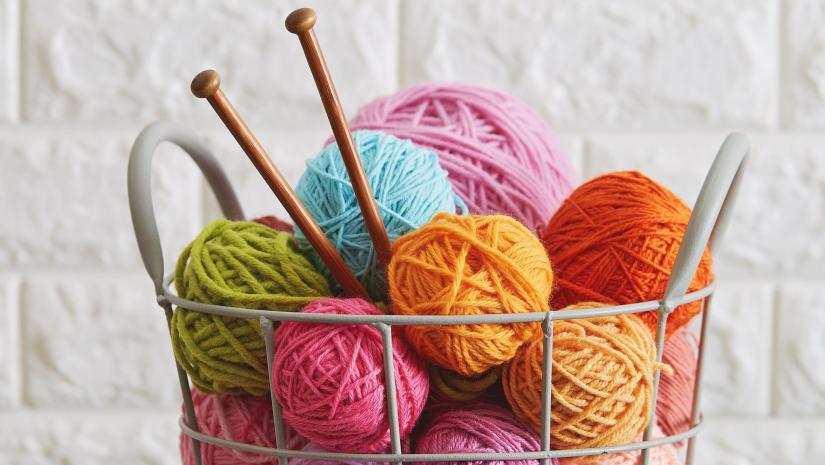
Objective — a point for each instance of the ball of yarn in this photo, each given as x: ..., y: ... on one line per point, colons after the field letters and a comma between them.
x: 661, y: 455
x: 409, y: 187
x: 675, y: 399
x: 602, y: 380
x: 329, y: 380
x: 615, y: 239
x: 448, y: 385
x: 237, y: 264
x: 245, y: 419
x: 312, y: 447
x: 469, y: 265
x: 501, y: 156
x: 478, y: 428
x: 275, y: 223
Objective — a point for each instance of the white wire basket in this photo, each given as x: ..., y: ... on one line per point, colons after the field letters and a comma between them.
x: 705, y: 228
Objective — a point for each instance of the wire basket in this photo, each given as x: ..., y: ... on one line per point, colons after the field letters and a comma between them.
x: 705, y: 228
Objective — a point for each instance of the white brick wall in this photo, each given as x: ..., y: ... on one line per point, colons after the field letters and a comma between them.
x: 630, y: 84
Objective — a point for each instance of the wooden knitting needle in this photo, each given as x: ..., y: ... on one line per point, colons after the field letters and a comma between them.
x: 300, y: 23
x: 207, y: 85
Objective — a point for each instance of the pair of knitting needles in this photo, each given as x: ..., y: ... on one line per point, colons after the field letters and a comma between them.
x: 207, y: 85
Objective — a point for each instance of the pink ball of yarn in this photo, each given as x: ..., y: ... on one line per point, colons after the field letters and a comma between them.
x: 243, y: 419
x: 329, y: 380
x: 500, y: 155
x: 312, y: 447
x: 676, y: 391
x: 478, y: 428
x: 662, y: 455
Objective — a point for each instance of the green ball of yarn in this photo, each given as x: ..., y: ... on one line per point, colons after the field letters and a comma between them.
x: 237, y: 264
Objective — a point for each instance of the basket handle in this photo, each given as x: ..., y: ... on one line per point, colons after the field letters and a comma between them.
x: 139, y: 179
x: 710, y: 214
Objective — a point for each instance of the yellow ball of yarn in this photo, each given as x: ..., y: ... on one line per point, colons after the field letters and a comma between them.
x: 451, y: 387
x: 602, y: 380
x: 469, y: 265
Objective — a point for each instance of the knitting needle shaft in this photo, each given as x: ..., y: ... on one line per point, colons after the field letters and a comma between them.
x: 207, y: 85
x: 300, y: 23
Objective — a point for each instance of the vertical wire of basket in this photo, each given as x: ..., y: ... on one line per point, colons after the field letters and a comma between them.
x: 707, y: 223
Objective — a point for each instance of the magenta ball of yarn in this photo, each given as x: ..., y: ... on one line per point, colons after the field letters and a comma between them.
x: 676, y: 391
x: 244, y: 419
x: 478, y: 428
x: 329, y: 380
x: 500, y: 155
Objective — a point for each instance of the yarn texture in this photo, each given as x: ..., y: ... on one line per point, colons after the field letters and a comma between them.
x: 615, y: 239
x: 676, y: 392
x: 478, y: 428
x: 275, y: 223
x: 450, y: 386
x: 409, y: 186
x: 312, y: 447
x: 602, y: 380
x: 237, y: 264
x: 501, y: 156
x: 469, y: 265
x: 329, y: 380
x: 245, y: 419
x: 661, y: 455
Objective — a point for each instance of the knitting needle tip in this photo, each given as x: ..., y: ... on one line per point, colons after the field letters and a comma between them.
x: 206, y: 83
x: 300, y: 20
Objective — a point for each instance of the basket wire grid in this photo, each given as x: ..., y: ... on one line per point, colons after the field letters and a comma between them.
x: 705, y: 228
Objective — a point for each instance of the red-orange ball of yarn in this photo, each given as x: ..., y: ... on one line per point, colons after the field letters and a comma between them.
x: 615, y: 239
x: 469, y: 265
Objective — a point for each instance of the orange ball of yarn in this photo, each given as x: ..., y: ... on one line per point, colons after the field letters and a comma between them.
x: 469, y: 265
x: 615, y: 239
x: 602, y: 380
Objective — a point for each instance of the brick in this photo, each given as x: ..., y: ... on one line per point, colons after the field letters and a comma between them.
x: 9, y: 61
x: 804, y: 65
x: 133, y: 61
x: 9, y: 346
x: 597, y: 65
x: 574, y: 147
x: 77, y: 439
x: 777, y: 222
x: 67, y: 196
x: 680, y: 162
x: 756, y: 442
x: 800, y: 352
x: 96, y: 341
x: 738, y: 368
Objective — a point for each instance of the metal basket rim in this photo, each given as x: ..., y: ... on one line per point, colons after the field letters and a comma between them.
x: 169, y: 296
x: 441, y: 457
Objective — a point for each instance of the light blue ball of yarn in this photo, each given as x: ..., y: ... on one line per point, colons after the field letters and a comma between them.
x: 409, y: 186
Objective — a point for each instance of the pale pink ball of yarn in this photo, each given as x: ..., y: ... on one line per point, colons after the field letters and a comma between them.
x: 661, y: 455
x: 329, y: 380
x: 676, y: 391
x: 500, y: 155
x: 244, y: 419
x: 478, y: 428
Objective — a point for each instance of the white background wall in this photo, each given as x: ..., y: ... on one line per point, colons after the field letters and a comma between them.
x: 86, y: 374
